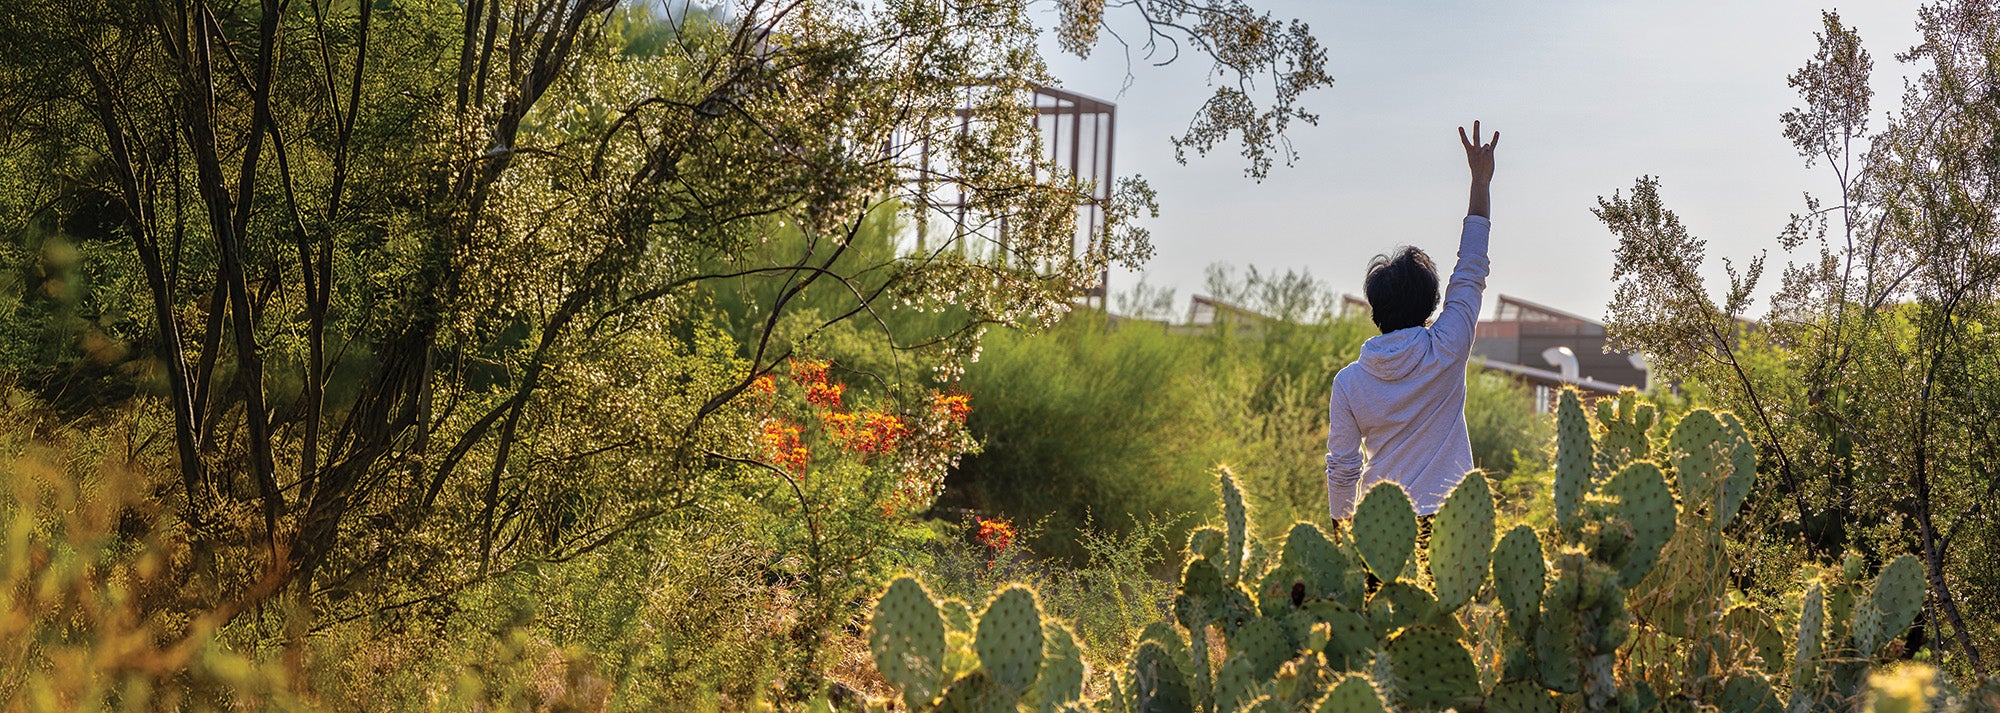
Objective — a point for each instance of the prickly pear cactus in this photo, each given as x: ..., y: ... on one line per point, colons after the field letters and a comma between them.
x: 1805, y: 662
x: 907, y: 638
x: 1624, y: 431
x: 1327, y: 573
x: 1574, y: 453
x: 1206, y: 542
x: 1638, y: 554
x: 1158, y: 685
x: 1385, y: 530
x: 1891, y: 605
x: 1432, y: 669
x: 1462, y: 541
x: 1063, y: 670
x: 1236, y: 520
x: 1642, y: 520
x: 1518, y: 578
x: 1010, y: 639
x: 1354, y: 694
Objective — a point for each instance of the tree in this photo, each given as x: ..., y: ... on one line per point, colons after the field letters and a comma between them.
x: 1870, y: 382
x: 388, y: 266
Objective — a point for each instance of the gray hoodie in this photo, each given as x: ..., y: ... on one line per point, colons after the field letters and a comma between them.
x: 1404, y: 399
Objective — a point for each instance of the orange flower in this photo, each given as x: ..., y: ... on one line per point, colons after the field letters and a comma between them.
x: 764, y: 384
x: 782, y: 441
x: 838, y: 424
x: 808, y: 372
x: 824, y: 395
x: 882, y: 433
x: 952, y: 406
x: 997, y: 534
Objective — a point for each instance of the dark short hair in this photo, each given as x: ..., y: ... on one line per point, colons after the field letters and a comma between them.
x: 1402, y: 289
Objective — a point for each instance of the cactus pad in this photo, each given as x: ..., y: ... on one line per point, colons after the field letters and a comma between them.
x: 1432, y: 671
x: 1167, y: 637
x: 1742, y: 470
x: 1645, y: 505
x: 1263, y: 644
x: 1353, y: 695
x: 1701, y: 461
x: 1010, y: 639
x: 907, y: 638
x: 1350, y: 643
x: 1206, y: 542
x: 1385, y: 530
x: 1200, y: 599
x: 1715, y: 464
x: 1805, y: 656
x: 1891, y: 605
x: 1063, y: 670
x: 1749, y: 693
x: 1235, y: 521
x: 1237, y: 684
x: 1624, y: 431
x: 1328, y: 573
x: 1519, y: 576
x: 1559, y: 637
x: 1462, y: 541
x: 1574, y: 453
x: 1280, y: 587
x: 976, y: 693
x: 1158, y: 686
x: 1520, y: 697
x: 1397, y: 605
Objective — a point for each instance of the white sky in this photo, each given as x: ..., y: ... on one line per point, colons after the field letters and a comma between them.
x: 1588, y: 96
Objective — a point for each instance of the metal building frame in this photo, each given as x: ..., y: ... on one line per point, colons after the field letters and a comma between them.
x: 1078, y: 134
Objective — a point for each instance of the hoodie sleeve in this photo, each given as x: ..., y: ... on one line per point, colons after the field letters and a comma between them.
x: 1343, y: 457
x: 1455, y: 324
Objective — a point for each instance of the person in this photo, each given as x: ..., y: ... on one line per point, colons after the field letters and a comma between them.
x: 1398, y: 412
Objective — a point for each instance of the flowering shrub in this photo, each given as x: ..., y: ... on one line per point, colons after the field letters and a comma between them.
x: 851, y: 467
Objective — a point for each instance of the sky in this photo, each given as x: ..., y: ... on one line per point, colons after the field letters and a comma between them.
x: 1588, y: 96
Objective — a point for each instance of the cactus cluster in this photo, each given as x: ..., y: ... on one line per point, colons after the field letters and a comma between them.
x: 1023, y: 661
x: 1636, y: 551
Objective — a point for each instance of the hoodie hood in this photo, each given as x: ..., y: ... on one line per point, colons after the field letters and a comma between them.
x: 1393, y: 356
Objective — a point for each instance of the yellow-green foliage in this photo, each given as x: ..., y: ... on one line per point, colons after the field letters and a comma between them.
x: 101, y: 606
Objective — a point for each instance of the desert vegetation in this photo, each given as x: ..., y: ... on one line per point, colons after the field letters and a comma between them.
x: 582, y: 355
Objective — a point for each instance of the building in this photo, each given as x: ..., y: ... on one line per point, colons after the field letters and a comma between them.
x: 1548, y: 348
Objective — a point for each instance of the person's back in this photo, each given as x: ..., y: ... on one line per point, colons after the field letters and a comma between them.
x: 1404, y: 399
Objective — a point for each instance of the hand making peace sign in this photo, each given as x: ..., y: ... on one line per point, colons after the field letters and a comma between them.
x: 1478, y: 157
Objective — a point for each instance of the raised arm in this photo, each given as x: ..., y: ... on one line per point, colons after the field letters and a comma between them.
x: 1462, y: 296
